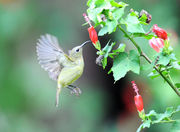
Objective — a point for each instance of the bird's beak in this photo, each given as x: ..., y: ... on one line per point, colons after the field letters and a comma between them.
x: 84, y: 43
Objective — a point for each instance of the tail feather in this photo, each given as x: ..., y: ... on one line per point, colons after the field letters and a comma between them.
x: 57, y: 93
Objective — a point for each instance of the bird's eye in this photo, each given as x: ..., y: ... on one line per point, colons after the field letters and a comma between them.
x: 77, y: 50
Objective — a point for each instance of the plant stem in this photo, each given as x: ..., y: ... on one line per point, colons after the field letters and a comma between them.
x: 149, y: 61
x: 170, y: 121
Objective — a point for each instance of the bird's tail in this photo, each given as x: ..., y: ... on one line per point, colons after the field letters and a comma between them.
x: 57, y: 93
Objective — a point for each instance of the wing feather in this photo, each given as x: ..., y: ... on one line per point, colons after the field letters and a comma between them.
x: 49, y: 52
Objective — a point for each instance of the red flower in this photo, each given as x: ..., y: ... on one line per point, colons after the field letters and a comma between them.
x: 156, y: 43
x: 137, y: 99
x: 161, y: 33
x: 138, y: 102
x: 93, y: 34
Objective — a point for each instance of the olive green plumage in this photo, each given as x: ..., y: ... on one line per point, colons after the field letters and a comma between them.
x: 63, y: 68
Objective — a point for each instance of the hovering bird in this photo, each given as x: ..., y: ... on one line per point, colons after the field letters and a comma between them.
x: 63, y: 68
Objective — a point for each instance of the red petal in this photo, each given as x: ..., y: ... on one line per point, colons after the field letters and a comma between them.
x: 154, y: 44
x: 139, y: 102
x: 93, y: 34
x: 161, y: 33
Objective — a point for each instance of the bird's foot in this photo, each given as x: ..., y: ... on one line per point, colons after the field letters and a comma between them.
x: 74, y: 90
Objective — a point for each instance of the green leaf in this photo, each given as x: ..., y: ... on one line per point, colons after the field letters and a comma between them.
x: 176, y: 65
x: 99, y: 8
x: 104, y: 62
x: 143, y: 19
x: 132, y: 23
x: 99, y: 3
x: 145, y: 124
x: 163, y: 59
x: 103, y: 31
x: 177, y: 85
x: 115, y: 4
x: 151, y: 113
x: 121, y: 48
x: 175, y: 126
x: 111, y: 26
x: 163, y: 116
x: 118, y: 13
x: 173, y: 57
x: 124, y: 63
x: 89, y: 3
x: 93, y: 13
x: 120, y: 66
x: 134, y: 63
x: 135, y: 28
x: 106, y: 51
x: 153, y: 75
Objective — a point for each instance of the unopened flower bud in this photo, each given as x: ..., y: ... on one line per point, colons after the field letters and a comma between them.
x: 138, y: 98
x: 156, y: 43
x: 93, y: 34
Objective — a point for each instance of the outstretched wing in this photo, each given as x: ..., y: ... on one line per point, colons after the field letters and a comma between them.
x: 49, y: 52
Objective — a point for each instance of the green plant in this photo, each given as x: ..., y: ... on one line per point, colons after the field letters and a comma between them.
x: 110, y: 16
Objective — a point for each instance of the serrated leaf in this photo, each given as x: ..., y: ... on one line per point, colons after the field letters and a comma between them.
x: 124, y: 63
x: 132, y: 24
x: 120, y: 66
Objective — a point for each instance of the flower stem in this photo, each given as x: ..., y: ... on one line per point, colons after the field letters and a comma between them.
x: 149, y: 61
x: 169, y: 121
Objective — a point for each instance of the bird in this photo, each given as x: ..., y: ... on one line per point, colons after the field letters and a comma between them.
x: 61, y: 67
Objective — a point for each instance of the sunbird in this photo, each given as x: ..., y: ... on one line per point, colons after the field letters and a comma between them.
x: 63, y: 68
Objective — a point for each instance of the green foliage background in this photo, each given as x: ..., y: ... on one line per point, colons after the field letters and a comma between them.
x: 26, y: 92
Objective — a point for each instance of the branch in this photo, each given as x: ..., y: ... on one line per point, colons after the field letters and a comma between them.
x: 149, y: 61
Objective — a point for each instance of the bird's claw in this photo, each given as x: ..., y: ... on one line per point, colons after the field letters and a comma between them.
x: 77, y: 91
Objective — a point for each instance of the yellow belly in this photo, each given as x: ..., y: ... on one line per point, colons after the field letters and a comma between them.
x: 70, y: 74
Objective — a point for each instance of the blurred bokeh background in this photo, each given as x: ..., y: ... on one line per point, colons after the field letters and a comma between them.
x: 27, y: 95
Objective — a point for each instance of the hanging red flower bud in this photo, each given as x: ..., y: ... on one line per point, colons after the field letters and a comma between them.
x: 93, y: 34
x: 137, y: 99
x: 138, y: 102
x: 156, y: 43
x: 161, y: 33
